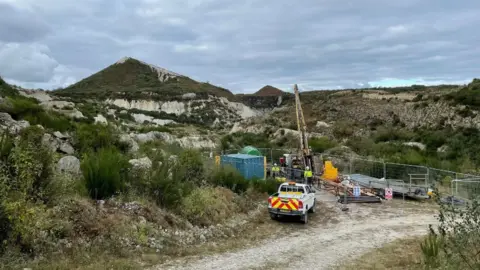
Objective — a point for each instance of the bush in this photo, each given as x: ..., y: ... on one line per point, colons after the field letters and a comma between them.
x: 343, y: 129
x: 105, y: 172
x: 166, y: 184
x: 208, y: 206
x: 321, y: 144
x: 90, y: 137
x: 456, y: 242
x: 192, y: 165
x: 268, y: 186
x: 229, y: 177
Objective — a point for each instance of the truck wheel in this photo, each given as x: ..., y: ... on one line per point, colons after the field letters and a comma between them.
x: 304, y: 218
x: 273, y: 216
x: 312, y: 210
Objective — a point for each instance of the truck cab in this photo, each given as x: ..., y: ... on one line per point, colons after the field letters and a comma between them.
x: 292, y: 199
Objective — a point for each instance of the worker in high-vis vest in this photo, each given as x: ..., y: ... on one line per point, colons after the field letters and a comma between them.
x: 275, y: 170
x: 307, y: 174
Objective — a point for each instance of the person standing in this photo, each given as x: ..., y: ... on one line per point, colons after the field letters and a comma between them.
x: 307, y: 174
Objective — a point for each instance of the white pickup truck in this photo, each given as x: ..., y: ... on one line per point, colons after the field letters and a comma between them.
x: 292, y: 199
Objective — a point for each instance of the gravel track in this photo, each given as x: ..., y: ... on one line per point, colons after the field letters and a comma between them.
x: 325, y: 242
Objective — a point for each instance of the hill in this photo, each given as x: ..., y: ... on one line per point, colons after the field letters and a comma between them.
x: 269, y: 90
x: 6, y: 89
x: 132, y: 78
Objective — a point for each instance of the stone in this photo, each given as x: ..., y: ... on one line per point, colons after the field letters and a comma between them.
x: 69, y: 165
x: 420, y: 146
x: 50, y: 142
x: 100, y: 119
x: 8, y: 123
x: 125, y: 138
x: 66, y: 148
x: 59, y: 135
x: 141, y: 163
x: 322, y: 124
x: 189, y: 96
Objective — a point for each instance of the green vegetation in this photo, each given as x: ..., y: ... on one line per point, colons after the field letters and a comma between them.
x: 23, y: 108
x: 321, y: 144
x: 461, y: 147
x: 6, y: 89
x: 468, y: 95
x: 105, y: 173
x: 43, y: 213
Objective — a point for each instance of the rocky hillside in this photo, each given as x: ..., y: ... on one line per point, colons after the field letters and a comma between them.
x: 149, y: 93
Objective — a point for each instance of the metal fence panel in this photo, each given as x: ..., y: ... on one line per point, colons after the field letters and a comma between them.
x: 468, y: 189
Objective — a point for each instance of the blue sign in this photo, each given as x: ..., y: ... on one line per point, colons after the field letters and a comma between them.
x: 356, y: 191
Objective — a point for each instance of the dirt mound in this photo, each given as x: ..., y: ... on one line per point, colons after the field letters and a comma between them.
x: 269, y: 90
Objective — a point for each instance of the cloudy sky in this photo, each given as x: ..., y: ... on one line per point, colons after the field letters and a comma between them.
x: 244, y: 45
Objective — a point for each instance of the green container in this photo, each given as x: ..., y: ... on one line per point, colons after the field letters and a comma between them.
x: 250, y: 150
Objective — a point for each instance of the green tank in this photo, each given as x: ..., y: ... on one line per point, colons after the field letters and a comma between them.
x: 250, y: 150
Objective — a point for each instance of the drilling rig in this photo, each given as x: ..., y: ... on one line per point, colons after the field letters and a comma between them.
x: 304, y: 152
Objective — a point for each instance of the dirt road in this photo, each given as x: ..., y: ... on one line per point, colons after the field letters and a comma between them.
x: 332, y: 237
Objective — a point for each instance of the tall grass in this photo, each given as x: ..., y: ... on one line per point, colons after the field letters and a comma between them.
x: 105, y: 172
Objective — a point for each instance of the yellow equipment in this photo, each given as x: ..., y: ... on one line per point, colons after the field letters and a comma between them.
x: 330, y: 173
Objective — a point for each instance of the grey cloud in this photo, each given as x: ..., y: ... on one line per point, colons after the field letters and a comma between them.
x: 28, y: 63
x: 20, y: 26
x: 244, y: 45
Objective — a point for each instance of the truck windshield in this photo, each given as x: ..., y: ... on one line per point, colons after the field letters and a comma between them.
x: 286, y: 188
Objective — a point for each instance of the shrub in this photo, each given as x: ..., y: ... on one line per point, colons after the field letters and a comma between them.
x: 343, y: 129
x: 229, y: 177
x: 146, y: 129
x: 321, y: 144
x: 208, y: 206
x: 192, y: 164
x: 166, y: 184
x: 268, y: 186
x: 94, y: 137
x: 105, y: 172
x: 456, y: 242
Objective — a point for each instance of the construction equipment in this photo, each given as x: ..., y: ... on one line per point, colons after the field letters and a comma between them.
x: 302, y: 130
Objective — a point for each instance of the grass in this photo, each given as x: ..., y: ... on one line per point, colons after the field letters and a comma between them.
x: 398, y: 255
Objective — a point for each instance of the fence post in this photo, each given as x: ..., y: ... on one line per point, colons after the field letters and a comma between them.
x: 384, y: 169
x: 271, y: 156
x: 350, y: 164
x: 428, y: 176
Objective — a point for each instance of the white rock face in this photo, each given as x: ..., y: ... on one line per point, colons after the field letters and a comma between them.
x: 163, y: 74
x: 421, y: 146
x: 241, y: 109
x: 145, y: 105
x: 174, y: 107
x: 189, y: 96
x: 100, y: 119
x: 179, y: 108
x: 322, y: 124
x: 195, y: 142
x: 41, y: 96
x: 57, y: 104
x: 141, y: 118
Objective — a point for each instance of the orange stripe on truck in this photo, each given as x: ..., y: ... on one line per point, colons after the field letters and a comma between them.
x: 287, y: 204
